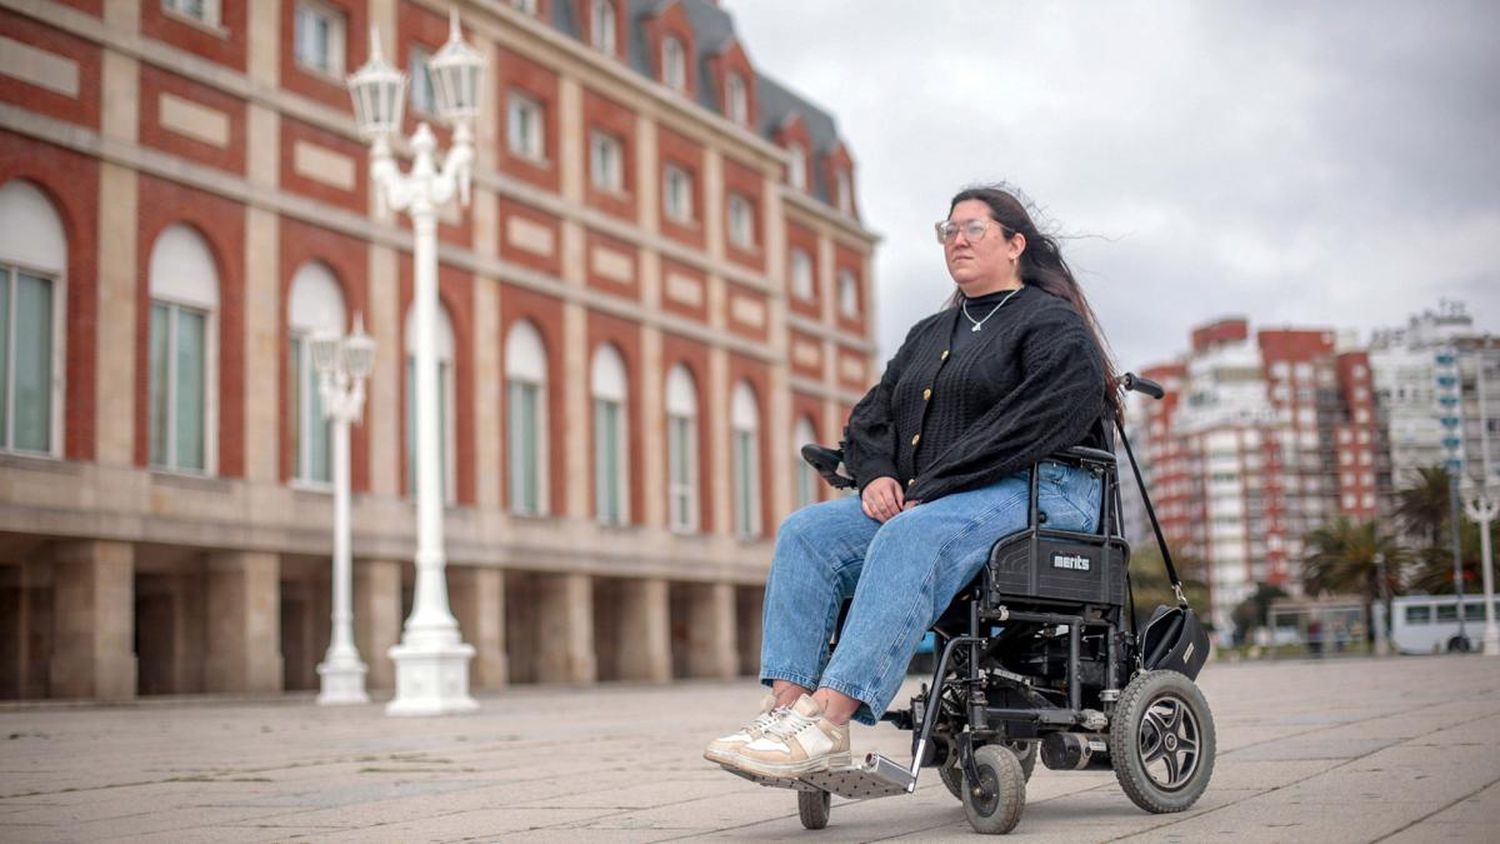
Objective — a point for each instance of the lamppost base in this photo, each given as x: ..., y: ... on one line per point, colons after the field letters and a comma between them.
x: 432, y: 679
x: 1492, y: 641
x: 343, y: 683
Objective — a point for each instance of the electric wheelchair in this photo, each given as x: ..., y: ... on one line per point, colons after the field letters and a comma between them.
x: 1040, y: 656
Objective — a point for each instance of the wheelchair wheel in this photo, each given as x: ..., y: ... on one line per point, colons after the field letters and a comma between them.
x: 812, y: 807
x: 953, y: 776
x: 1161, y: 742
x: 997, y: 808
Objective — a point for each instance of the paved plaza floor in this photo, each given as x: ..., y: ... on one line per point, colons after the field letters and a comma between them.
x: 1341, y: 750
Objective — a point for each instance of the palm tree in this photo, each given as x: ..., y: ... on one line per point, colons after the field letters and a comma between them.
x: 1423, y: 508
x: 1432, y: 569
x: 1341, y: 559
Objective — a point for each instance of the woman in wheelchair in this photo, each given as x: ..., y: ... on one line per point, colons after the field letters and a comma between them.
x: 941, y: 451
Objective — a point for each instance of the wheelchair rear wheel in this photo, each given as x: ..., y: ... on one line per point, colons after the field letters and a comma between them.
x: 812, y: 807
x: 1161, y: 742
x: 1001, y: 797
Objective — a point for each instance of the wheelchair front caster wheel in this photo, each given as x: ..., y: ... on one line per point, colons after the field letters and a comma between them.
x: 812, y: 806
x: 953, y: 776
x: 1161, y: 742
x: 994, y: 804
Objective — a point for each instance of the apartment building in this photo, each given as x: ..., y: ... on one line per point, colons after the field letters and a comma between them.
x: 1259, y: 439
x: 661, y: 287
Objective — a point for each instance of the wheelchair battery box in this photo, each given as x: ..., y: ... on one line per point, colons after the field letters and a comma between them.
x: 1062, y: 570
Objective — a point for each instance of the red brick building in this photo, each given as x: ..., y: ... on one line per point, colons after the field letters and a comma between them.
x: 661, y: 287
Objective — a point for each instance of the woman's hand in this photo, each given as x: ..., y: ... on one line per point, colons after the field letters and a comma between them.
x: 882, y: 499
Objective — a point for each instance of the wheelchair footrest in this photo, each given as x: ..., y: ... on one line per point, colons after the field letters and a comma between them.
x: 876, y: 777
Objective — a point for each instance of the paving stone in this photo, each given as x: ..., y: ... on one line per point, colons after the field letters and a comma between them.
x: 1337, y: 750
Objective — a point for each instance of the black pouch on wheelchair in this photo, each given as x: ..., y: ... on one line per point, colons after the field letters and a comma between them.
x: 1174, y: 640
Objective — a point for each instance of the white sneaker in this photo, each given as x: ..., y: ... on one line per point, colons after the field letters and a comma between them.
x: 800, y: 741
x: 722, y: 749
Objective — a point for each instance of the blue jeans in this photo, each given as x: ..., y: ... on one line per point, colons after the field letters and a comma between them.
x: 902, y: 575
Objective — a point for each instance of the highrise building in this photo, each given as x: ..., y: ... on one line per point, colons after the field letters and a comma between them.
x: 1258, y: 440
x: 1408, y: 363
x: 662, y: 287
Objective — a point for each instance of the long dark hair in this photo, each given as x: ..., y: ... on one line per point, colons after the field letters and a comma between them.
x: 1041, y: 265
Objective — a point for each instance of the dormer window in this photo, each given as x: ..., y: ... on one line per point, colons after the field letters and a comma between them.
x: 845, y: 192
x: 797, y: 174
x: 673, y: 64
x: 737, y: 99
x: 602, y: 26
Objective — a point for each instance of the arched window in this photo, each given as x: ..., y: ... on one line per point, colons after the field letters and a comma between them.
x: 33, y: 256
x: 848, y: 294
x: 316, y: 303
x: 804, y: 476
x: 682, y: 450
x: 609, y: 386
x: 526, y: 419
x: 737, y: 99
x: 183, y: 352
x: 446, y: 430
x: 745, y: 446
x: 602, y: 25
x: 802, y: 274
x: 673, y: 64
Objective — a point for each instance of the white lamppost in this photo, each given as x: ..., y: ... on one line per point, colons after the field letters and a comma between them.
x: 343, y: 364
x: 432, y: 661
x: 1481, y: 505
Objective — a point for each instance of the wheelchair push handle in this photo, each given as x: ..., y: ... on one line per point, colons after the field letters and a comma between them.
x: 1131, y: 381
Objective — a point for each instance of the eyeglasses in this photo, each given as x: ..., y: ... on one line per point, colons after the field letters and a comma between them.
x: 974, y: 230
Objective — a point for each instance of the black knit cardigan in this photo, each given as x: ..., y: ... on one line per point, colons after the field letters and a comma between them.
x: 939, y: 423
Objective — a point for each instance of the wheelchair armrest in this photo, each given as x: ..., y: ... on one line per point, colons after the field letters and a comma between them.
x: 1084, y: 454
x: 827, y: 461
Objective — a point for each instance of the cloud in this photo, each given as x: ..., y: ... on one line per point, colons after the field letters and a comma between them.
x: 1327, y: 165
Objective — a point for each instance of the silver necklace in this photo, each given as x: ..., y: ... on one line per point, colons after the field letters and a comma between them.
x: 978, y: 324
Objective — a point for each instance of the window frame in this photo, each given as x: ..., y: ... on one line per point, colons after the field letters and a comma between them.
x: 56, y: 363
x: 430, y: 107
x: 210, y: 410
x: 737, y: 98
x: 740, y: 216
x: 338, y: 38
x: 844, y: 189
x: 803, y: 292
x: 684, y: 455
x: 797, y: 171
x: 518, y: 100
x: 613, y: 142
x: 212, y: 17
x: 674, y: 63
x: 848, y: 293
x: 603, y: 33
x: 672, y: 198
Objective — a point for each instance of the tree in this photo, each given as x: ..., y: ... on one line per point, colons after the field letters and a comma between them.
x: 1432, y: 567
x: 1341, y: 560
x: 1424, y: 507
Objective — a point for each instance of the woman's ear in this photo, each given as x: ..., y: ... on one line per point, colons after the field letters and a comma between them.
x: 1017, y: 246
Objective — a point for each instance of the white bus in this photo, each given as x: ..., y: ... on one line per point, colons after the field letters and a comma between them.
x: 1425, y: 624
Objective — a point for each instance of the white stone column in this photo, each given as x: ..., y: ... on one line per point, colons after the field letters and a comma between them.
x: 93, y: 596
x: 243, y: 622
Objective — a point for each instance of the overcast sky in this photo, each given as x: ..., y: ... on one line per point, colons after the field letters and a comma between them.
x: 1306, y: 164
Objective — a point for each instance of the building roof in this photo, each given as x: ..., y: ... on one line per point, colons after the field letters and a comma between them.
x: 713, y: 31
